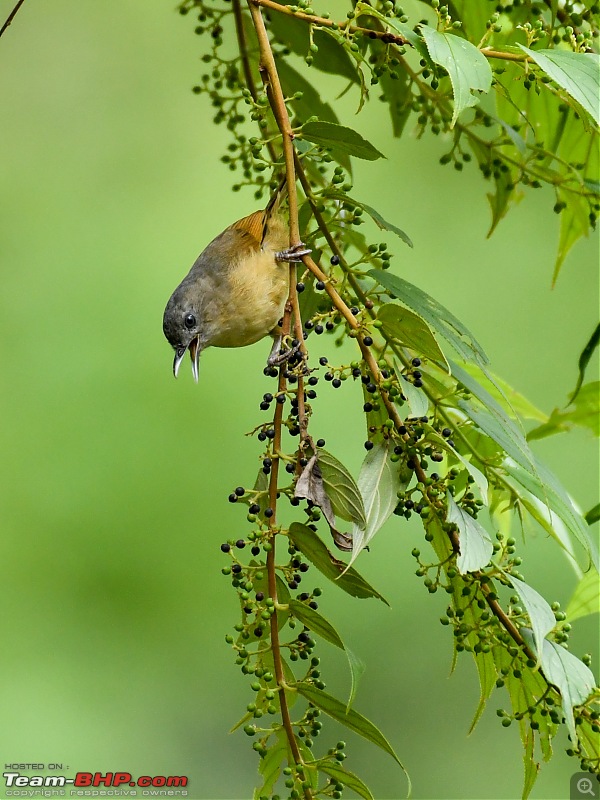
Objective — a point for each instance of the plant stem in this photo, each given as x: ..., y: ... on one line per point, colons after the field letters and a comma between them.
x: 389, y: 37
x: 11, y: 16
x: 245, y: 57
x: 270, y: 79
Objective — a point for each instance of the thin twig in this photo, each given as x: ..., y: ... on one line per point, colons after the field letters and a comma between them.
x: 245, y: 56
x: 313, y: 19
x: 11, y: 16
x: 389, y: 37
x: 270, y: 77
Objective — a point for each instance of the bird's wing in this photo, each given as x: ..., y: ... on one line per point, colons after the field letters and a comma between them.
x: 254, y: 226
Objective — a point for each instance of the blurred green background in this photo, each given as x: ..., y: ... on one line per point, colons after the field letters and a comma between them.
x: 115, y: 477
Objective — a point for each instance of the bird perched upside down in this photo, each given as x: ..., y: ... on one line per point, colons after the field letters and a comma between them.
x: 235, y: 292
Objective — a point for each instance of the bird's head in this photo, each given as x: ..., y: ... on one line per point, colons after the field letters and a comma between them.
x: 182, y: 325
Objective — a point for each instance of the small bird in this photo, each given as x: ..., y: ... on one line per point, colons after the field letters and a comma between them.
x: 235, y: 292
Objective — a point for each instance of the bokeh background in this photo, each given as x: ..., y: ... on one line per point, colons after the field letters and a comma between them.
x: 114, y: 477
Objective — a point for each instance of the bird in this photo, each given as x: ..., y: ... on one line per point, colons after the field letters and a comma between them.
x: 236, y: 290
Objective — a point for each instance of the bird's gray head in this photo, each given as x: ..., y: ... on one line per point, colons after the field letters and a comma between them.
x: 182, y: 325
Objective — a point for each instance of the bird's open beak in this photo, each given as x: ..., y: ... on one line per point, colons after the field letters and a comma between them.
x: 180, y: 351
x: 194, y: 349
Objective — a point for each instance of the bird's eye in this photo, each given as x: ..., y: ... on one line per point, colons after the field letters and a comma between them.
x: 189, y: 321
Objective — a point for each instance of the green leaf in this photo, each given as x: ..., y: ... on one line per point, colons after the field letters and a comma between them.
x: 586, y: 597
x: 584, y: 359
x: 341, y: 138
x: 478, y: 476
x: 311, y: 546
x: 539, y: 611
x: 316, y: 622
x: 585, y: 412
x: 467, y: 67
x: 503, y: 393
x: 550, y: 522
x: 496, y: 422
x: 291, y: 32
x: 341, y: 489
x: 473, y: 17
x: 574, y: 223
x: 381, y: 223
x: 330, y: 57
x: 376, y: 418
x: 549, y: 490
x: 270, y: 765
x: 410, y: 330
x: 434, y: 313
x: 357, y: 669
x: 486, y: 670
x: 476, y: 547
x: 577, y: 73
x: 571, y: 677
x: 593, y: 515
x: 530, y: 765
x: 417, y: 400
x: 351, y: 719
x: 260, y: 492
x: 397, y: 94
x: 309, y: 104
x: 348, y: 779
x: 379, y: 482
x: 510, y: 439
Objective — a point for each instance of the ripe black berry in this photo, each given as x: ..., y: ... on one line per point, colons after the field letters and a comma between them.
x: 225, y: 548
x: 335, y: 260
x: 367, y: 341
x: 416, y: 362
x: 319, y: 285
x: 300, y: 287
x: 369, y: 445
x: 320, y: 442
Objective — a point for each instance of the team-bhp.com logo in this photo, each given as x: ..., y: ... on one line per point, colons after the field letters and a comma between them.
x: 84, y: 783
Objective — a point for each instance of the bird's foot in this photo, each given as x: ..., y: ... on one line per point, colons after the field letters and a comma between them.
x: 294, y: 253
x: 277, y: 356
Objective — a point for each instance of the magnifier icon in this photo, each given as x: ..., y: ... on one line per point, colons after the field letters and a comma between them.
x: 585, y: 786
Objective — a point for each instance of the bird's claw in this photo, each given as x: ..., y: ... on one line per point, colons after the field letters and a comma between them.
x: 294, y: 253
x: 276, y: 359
